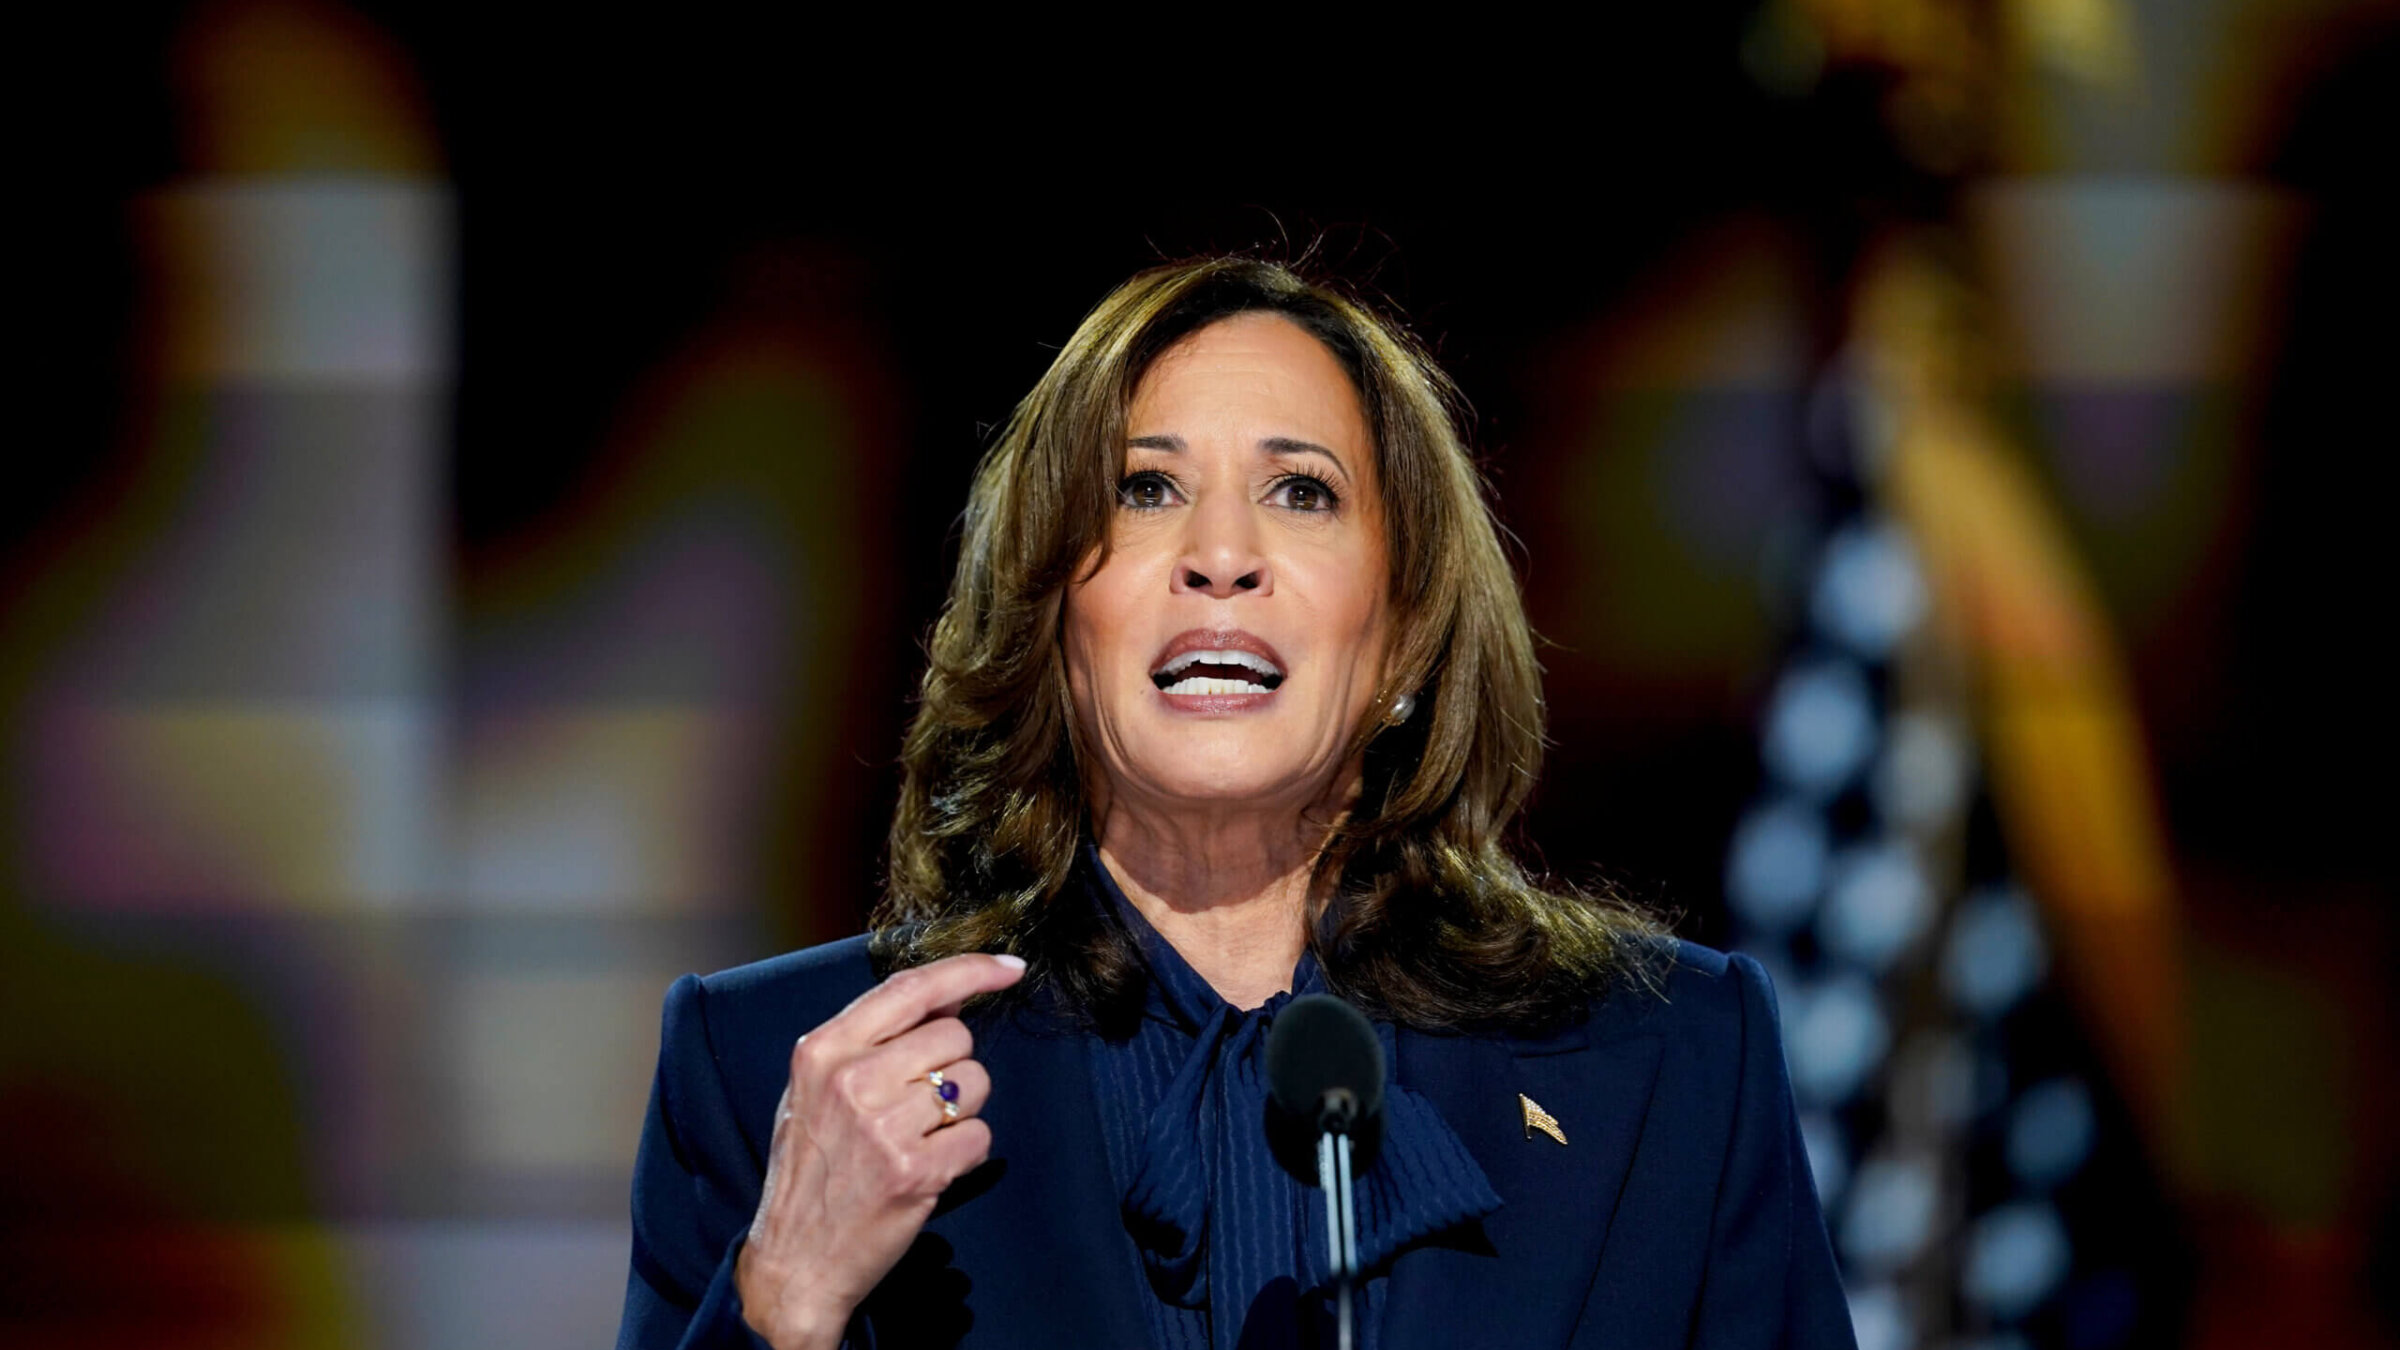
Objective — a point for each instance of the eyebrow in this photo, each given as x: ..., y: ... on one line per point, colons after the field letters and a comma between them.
x: 1273, y: 445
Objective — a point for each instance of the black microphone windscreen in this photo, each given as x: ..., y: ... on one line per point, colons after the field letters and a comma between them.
x: 1320, y: 1045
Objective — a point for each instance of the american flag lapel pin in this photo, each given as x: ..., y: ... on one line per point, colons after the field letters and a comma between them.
x: 1538, y: 1119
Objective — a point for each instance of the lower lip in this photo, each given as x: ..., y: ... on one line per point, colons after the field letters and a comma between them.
x: 1217, y: 703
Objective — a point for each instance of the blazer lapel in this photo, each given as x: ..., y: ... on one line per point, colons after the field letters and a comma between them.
x: 1525, y: 1283
x: 1032, y: 1244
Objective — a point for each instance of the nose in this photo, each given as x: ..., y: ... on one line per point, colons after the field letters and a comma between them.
x: 1221, y: 558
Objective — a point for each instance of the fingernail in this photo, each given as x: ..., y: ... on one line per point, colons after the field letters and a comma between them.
x: 1012, y: 962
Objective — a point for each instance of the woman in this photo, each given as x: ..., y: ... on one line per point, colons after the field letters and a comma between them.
x: 1232, y: 700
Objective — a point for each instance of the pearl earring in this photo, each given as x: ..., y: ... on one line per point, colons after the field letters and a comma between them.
x: 1402, y: 706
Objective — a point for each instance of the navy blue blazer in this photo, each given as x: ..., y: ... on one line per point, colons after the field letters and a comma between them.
x: 1680, y: 1212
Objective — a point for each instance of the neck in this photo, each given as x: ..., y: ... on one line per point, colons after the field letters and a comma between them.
x: 1228, y: 890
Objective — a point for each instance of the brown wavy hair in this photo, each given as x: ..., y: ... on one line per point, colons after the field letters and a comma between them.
x: 1419, y: 912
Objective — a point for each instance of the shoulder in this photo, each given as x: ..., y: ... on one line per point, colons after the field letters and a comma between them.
x: 754, y: 1012
x: 1718, y: 1003
x: 814, y: 982
x: 725, y: 1040
x: 1691, y: 1033
x: 1708, y: 1005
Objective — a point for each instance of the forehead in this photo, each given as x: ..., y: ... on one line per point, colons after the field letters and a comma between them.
x: 1247, y: 368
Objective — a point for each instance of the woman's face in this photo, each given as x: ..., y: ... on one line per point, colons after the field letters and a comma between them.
x: 1225, y: 651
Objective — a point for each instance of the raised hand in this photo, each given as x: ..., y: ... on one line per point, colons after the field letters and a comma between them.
x: 863, y: 1148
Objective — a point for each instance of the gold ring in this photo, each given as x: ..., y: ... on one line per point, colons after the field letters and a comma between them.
x: 945, y: 1092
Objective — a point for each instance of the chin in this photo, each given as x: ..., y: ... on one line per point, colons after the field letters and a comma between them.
x: 1230, y: 773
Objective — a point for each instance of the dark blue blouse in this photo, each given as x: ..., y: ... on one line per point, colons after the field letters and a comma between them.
x: 1220, y: 1226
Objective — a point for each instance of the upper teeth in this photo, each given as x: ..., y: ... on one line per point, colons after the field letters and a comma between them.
x: 1244, y: 659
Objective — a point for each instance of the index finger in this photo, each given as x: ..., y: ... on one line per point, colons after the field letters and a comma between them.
x: 912, y: 995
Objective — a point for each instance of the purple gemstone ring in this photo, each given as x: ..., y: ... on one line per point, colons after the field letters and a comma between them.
x: 947, y: 1093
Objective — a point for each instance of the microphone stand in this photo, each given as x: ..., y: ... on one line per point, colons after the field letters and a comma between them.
x: 1325, y: 1072
x: 1341, y: 1223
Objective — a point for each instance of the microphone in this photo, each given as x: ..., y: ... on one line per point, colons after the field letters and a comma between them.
x: 1325, y: 1097
x: 1324, y: 1076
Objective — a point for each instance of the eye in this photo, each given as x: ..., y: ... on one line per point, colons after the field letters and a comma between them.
x: 1148, y: 490
x: 1304, y: 492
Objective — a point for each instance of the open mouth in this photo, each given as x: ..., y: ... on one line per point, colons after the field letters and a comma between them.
x: 1217, y: 672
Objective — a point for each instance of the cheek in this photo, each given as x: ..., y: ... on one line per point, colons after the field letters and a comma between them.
x: 1075, y: 647
x: 1076, y: 637
x: 1095, y: 625
x: 1357, y: 604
